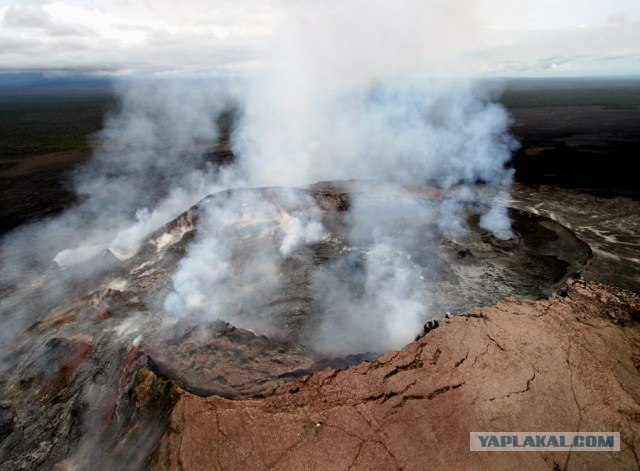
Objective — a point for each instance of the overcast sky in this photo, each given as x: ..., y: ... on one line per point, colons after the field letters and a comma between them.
x: 194, y: 37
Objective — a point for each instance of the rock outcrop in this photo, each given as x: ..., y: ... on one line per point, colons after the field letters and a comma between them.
x: 567, y: 363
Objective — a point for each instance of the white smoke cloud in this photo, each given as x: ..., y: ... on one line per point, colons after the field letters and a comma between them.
x: 387, y: 313
x: 149, y: 163
x: 374, y: 297
x: 351, y: 90
x: 148, y: 167
x: 233, y: 267
x: 356, y: 90
x: 299, y: 230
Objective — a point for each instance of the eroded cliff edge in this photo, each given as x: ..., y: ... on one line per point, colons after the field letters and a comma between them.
x: 567, y: 363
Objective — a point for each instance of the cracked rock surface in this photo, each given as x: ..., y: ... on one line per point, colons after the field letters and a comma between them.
x: 567, y: 363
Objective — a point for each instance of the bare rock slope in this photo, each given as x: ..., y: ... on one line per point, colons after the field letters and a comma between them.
x: 567, y: 363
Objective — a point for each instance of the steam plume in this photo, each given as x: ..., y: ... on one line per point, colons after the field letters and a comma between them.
x: 357, y: 91
x: 350, y: 90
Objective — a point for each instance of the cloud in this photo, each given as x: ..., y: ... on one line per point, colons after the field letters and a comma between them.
x: 126, y: 37
x: 574, y: 51
x: 226, y: 37
x: 29, y: 18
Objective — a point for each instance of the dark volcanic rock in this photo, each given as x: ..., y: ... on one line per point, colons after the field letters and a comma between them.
x: 609, y: 226
x: 224, y: 360
x: 110, y: 410
x: 33, y: 196
x: 7, y: 418
x: 591, y: 148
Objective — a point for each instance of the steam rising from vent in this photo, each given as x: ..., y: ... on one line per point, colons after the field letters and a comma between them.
x: 165, y: 240
x: 404, y: 131
x: 147, y: 168
x: 365, y: 90
x: 358, y: 90
x: 385, y: 304
x: 233, y: 266
x: 354, y: 93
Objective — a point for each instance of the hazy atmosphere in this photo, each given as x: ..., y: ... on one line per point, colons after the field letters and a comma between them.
x: 493, y: 37
x: 320, y: 235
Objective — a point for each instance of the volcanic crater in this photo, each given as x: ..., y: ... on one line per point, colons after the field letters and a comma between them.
x: 267, y: 335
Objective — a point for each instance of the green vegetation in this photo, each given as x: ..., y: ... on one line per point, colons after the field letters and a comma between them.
x: 35, y: 122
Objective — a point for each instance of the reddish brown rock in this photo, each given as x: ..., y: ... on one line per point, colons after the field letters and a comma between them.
x: 563, y: 364
x: 94, y: 306
x: 60, y: 316
x: 67, y: 354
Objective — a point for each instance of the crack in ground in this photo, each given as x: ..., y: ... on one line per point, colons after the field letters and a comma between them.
x: 432, y: 395
x: 301, y: 439
x: 486, y: 350
x: 496, y: 342
x: 436, y: 356
x: 184, y: 421
x: 462, y: 360
x: 575, y: 398
x: 376, y: 431
x: 521, y: 391
x: 386, y: 396
x: 415, y: 364
x: 220, y: 434
x: 353, y: 462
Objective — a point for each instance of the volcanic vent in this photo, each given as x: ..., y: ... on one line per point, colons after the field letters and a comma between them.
x: 297, y: 281
x: 251, y: 288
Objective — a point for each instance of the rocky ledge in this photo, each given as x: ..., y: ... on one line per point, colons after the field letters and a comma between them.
x: 567, y: 363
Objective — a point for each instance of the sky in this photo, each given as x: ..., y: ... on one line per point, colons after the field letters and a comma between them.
x: 526, y: 38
